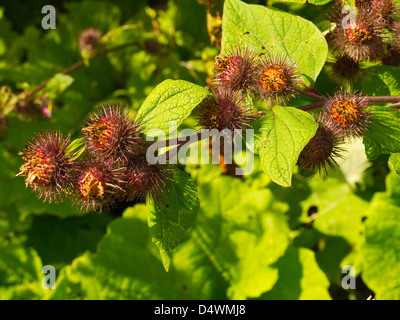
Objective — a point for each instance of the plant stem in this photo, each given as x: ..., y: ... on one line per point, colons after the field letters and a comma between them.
x: 76, y: 65
x: 311, y: 106
x: 374, y: 99
x: 395, y: 105
x: 383, y: 99
x: 309, y: 94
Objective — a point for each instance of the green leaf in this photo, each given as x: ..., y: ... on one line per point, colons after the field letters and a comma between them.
x: 392, y: 187
x: 338, y: 211
x: 343, y: 217
x: 30, y: 204
x: 10, y: 221
x: 243, y: 232
x: 128, y: 266
x: 75, y: 148
x: 171, y: 100
x: 338, y: 219
x: 235, y: 242
x: 383, y: 135
x: 20, y: 273
x: 59, y: 83
x: 324, y: 192
x: 258, y: 26
x: 58, y: 241
x: 283, y: 134
x: 171, y: 214
x: 381, y: 260
x: 380, y: 81
x: 300, y: 277
x: 394, y: 162
x: 333, y: 254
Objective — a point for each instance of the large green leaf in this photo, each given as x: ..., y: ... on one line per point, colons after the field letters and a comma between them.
x: 300, y: 277
x: 233, y: 251
x: 383, y: 135
x: 381, y: 265
x: 172, y: 213
x: 339, y: 210
x: 58, y: 241
x: 394, y: 162
x: 337, y: 224
x: 284, y: 133
x: 243, y: 232
x: 284, y: 33
x: 343, y: 218
x: 128, y: 266
x: 171, y: 100
x: 392, y: 187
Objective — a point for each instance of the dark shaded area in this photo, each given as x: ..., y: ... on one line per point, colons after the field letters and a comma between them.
x: 290, y: 273
x: 293, y: 196
x: 118, y: 209
x: 361, y: 291
x: 329, y: 253
x: 58, y: 241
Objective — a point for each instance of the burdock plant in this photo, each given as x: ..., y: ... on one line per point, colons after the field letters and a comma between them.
x: 228, y: 109
x: 347, y: 112
x: 344, y: 69
x: 386, y: 11
x: 89, y: 39
x: 321, y: 151
x: 110, y: 133
x: 360, y: 39
x: 97, y: 184
x: 108, y: 166
x: 263, y: 78
x: 236, y: 69
x: 46, y: 165
x: 143, y: 179
x: 277, y: 76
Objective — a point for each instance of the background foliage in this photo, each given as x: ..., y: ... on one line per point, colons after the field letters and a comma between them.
x: 252, y: 238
